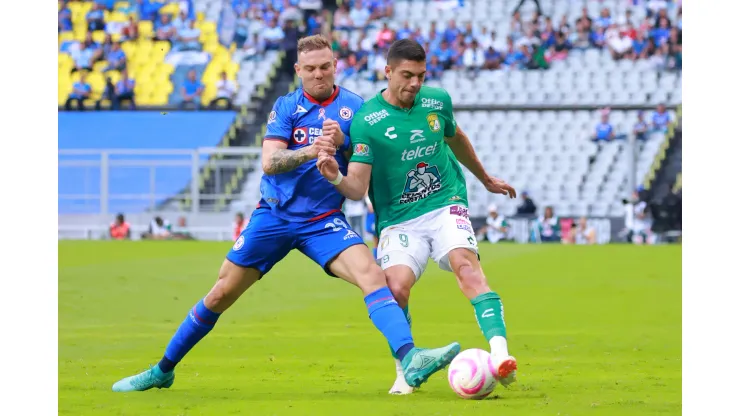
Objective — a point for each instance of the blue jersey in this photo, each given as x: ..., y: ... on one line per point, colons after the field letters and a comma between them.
x: 297, y: 119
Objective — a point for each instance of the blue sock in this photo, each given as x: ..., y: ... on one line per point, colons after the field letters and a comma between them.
x: 375, y: 252
x: 390, y: 320
x: 408, y: 319
x: 196, y: 325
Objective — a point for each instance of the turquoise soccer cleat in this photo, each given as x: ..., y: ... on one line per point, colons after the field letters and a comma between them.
x: 420, y: 363
x: 153, y: 377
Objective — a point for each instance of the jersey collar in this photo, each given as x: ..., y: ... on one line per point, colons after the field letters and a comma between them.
x: 326, y: 102
x: 395, y: 107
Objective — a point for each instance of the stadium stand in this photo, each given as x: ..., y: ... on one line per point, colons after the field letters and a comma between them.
x: 136, y: 131
x: 530, y: 94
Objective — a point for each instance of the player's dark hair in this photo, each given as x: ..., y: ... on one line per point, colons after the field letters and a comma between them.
x: 406, y: 50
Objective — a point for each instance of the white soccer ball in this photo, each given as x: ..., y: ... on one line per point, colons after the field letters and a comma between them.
x: 471, y: 374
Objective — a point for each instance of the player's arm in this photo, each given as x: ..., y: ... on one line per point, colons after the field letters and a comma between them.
x: 354, y: 184
x: 276, y: 158
x: 465, y: 153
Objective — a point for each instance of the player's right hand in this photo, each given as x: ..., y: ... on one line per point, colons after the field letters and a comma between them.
x: 328, y: 166
x: 323, y: 144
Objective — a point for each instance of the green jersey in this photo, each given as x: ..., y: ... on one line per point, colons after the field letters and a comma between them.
x: 414, y: 170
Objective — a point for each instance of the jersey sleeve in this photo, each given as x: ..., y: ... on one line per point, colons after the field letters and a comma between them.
x: 279, y: 123
x: 447, y: 116
x: 361, y: 150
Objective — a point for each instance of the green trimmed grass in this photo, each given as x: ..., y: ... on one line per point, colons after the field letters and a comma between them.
x: 596, y: 331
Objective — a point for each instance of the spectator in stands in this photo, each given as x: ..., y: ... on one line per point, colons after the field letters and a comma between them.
x: 473, y: 59
x: 547, y: 36
x: 548, y: 227
x: 342, y: 19
x: 585, y: 20
x: 95, y: 18
x: 191, y: 91
x: 581, y: 38
x: 86, y: 54
x: 290, y: 46
x: 598, y: 37
x: 581, y: 234
x: 120, y: 229
x: 125, y: 91
x: 673, y: 49
x: 187, y: 39
x: 493, y: 58
x: 434, y: 69
x: 527, y: 206
x: 360, y: 16
x: 64, y: 17
x: 81, y: 91
x: 639, y: 47
x: 450, y: 34
x: 239, y: 225
x: 661, y: 118
x: 130, y: 31
x: 661, y: 33
x: 273, y: 36
x: 181, y: 230
x: 116, y: 58
x: 618, y: 43
x: 225, y: 91
x: 164, y: 29
x: 290, y: 13
x: 496, y: 228
x: 385, y: 37
x: 604, y: 130
x: 376, y: 64
x: 559, y: 49
x: 640, y: 130
x: 241, y: 29
x: 254, y: 48
x: 109, y: 93
x: 405, y: 31
x: 159, y: 229
x: 444, y: 54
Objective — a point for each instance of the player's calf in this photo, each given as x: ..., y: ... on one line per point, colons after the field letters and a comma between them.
x: 489, y: 310
x: 232, y: 282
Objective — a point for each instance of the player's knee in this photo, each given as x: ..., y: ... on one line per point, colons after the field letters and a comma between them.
x: 401, y: 291
x: 370, y: 278
x: 471, y: 279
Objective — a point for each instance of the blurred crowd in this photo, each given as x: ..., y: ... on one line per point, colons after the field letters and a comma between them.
x: 533, y: 42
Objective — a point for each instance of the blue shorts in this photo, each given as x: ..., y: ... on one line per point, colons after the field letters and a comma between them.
x: 268, y: 239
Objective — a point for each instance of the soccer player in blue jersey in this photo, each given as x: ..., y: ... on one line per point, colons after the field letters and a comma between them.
x: 300, y: 209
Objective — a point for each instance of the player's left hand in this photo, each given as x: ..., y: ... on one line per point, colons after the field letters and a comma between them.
x: 498, y: 186
x: 332, y: 129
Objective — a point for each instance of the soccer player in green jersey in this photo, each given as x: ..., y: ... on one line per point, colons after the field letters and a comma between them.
x: 406, y: 147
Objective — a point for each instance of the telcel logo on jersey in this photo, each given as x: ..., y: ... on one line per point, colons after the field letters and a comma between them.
x: 431, y: 103
x: 420, y: 151
x: 375, y: 117
x: 420, y: 183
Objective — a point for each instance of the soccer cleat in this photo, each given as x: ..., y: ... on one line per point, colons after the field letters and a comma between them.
x: 153, y: 377
x: 420, y: 363
x: 505, y: 370
x: 400, y: 387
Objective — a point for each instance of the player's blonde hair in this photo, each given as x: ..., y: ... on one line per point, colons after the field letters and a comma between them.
x: 313, y: 43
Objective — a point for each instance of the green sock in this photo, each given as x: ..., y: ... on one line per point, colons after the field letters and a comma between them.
x: 489, y: 312
x: 408, y: 319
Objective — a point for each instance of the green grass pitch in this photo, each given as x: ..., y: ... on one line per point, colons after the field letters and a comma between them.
x: 596, y: 331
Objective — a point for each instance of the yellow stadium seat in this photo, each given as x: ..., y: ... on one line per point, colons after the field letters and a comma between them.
x: 162, y: 46
x: 207, y: 27
x: 172, y: 8
x: 129, y: 48
x: 116, y: 37
x: 117, y: 17
x: 115, y: 76
x: 66, y: 36
x: 99, y: 36
x: 146, y: 29
x: 121, y: 5
x: 199, y: 17
x: 99, y: 66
